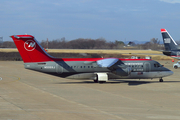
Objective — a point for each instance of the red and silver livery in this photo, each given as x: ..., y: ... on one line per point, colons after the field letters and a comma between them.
x: 97, y: 69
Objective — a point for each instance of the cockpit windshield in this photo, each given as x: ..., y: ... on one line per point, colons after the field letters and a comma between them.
x: 157, y: 65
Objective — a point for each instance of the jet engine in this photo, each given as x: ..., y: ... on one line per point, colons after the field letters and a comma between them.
x: 123, y: 71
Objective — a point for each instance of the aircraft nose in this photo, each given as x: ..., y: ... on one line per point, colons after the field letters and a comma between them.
x: 170, y: 72
x: 167, y: 72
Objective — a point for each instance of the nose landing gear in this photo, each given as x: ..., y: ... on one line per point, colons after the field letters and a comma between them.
x: 160, y: 80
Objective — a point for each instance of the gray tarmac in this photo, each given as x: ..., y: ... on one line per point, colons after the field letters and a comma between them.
x: 31, y: 95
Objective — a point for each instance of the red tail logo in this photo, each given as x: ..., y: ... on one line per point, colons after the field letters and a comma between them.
x: 29, y: 49
x: 29, y: 45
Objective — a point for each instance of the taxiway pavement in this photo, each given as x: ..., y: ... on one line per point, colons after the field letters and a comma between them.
x: 31, y: 95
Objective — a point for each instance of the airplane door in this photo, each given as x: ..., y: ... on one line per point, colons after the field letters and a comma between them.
x: 59, y: 68
x: 146, y: 67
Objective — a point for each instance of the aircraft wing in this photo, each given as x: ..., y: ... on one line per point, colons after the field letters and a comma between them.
x: 120, y: 69
x: 107, y: 62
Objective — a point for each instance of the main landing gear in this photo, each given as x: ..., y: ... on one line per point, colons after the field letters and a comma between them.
x: 160, y: 80
x: 96, y: 81
x: 101, y: 78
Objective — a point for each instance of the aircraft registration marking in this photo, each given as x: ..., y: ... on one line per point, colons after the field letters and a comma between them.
x: 137, y: 70
x: 49, y: 67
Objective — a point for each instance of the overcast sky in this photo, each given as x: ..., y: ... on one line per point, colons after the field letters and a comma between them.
x: 111, y: 19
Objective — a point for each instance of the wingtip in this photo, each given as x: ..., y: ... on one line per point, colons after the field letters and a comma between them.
x: 163, y: 30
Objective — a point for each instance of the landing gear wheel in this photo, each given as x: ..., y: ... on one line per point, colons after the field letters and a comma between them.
x: 102, y: 82
x: 161, y: 80
x: 96, y: 79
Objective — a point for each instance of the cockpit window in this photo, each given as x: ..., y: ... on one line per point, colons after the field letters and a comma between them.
x: 157, y: 65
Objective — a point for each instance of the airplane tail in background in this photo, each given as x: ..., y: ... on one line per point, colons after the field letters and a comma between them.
x: 29, y: 49
x: 169, y: 43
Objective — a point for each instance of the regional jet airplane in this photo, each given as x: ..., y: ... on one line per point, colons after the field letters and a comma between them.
x: 98, y: 69
x: 171, y: 47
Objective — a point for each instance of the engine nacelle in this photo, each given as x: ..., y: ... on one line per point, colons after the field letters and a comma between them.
x: 123, y: 71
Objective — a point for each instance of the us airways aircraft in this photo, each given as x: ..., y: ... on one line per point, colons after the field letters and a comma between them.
x: 98, y: 69
x: 171, y: 47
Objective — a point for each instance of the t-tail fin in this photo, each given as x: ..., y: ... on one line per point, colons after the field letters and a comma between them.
x: 29, y: 49
x: 169, y: 43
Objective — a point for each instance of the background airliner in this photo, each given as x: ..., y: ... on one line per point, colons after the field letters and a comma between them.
x: 171, y: 47
x: 97, y: 69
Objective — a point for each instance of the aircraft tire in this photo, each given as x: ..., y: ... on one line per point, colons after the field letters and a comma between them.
x: 96, y: 80
x: 161, y: 80
x: 101, y: 82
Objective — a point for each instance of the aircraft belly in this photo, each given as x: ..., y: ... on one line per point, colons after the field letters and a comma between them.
x: 82, y: 76
x: 150, y: 75
x: 142, y: 75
